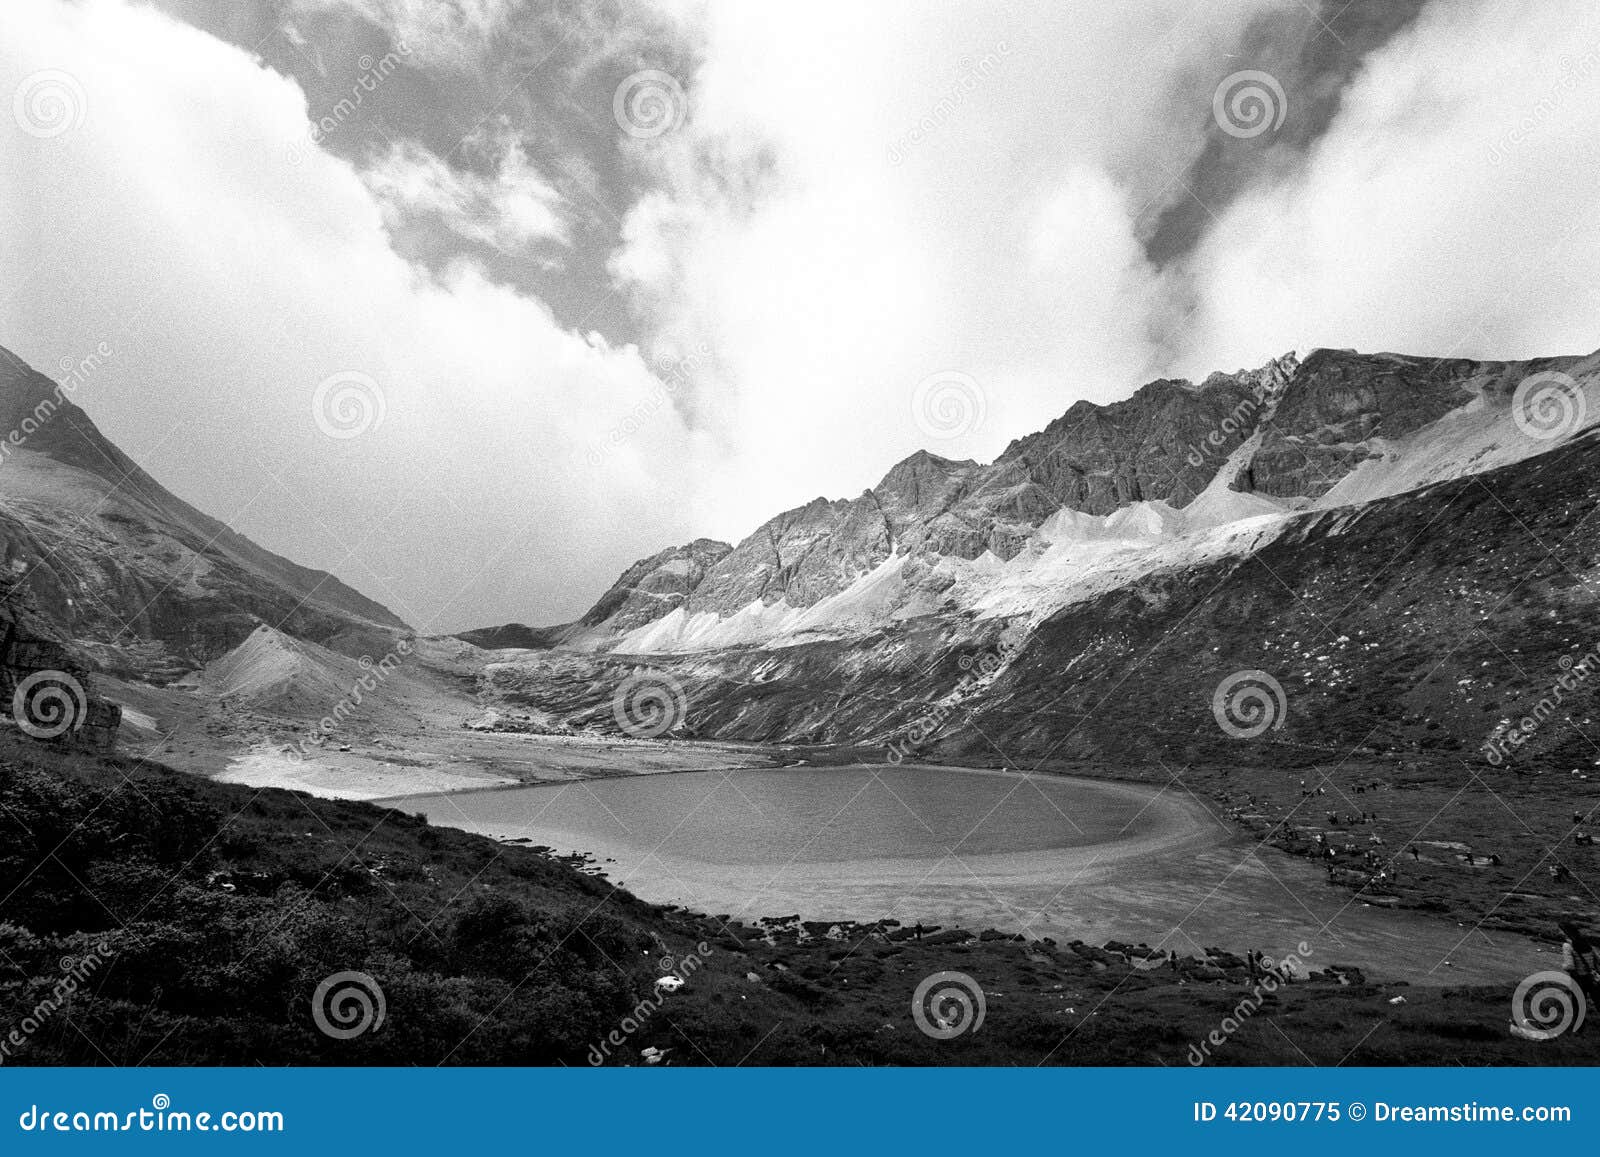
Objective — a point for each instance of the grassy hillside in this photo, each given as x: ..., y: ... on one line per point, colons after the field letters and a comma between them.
x: 213, y: 912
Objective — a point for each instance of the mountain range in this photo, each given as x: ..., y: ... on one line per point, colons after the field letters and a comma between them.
x: 1403, y: 546
x: 1177, y: 472
x: 1401, y: 543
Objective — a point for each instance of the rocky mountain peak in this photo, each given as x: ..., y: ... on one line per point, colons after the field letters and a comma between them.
x: 1288, y: 431
x: 139, y: 579
x: 656, y: 585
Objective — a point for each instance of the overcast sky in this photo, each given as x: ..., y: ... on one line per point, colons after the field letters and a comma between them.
x: 473, y: 302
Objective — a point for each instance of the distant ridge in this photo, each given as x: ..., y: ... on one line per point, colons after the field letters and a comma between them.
x: 119, y: 563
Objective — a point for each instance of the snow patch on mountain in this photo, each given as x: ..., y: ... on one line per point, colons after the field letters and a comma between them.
x: 1073, y: 556
x: 1481, y: 436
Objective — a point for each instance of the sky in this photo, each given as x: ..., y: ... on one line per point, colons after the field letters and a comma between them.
x: 475, y: 302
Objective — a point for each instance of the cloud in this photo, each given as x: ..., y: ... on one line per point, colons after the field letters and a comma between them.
x: 454, y: 33
x: 1448, y: 210
x: 507, y: 209
x: 232, y: 271
x: 864, y: 195
x: 860, y: 198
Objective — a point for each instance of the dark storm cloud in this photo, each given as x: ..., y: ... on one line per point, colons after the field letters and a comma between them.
x: 544, y: 78
x: 862, y: 198
x: 1314, y: 54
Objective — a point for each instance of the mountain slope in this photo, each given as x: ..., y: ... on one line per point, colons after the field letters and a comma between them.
x: 1419, y: 623
x: 1176, y: 473
x: 1402, y: 544
x: 140, y: 579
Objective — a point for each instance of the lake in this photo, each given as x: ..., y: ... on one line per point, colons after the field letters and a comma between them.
x: 1046, y: 855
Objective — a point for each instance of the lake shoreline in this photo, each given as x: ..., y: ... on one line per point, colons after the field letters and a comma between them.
x: 1195, y: 881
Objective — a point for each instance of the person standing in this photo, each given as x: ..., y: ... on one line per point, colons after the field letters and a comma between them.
x: 1578, y: 960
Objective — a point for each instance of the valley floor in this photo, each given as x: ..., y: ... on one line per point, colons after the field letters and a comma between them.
x: 214, y: 911
x: 1484, y: 862
x: 1490, y: 857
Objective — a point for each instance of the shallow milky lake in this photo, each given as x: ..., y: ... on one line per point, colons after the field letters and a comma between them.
x: 1069, y: 858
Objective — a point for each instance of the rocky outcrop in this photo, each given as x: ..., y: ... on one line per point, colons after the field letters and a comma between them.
x: 1165, y: 442
x: 47, y: 691
x: 1421, y: 624
x: 1289, y: 431
x: 656, y: 585
x: 1337, y: 403
x: 143, y: 582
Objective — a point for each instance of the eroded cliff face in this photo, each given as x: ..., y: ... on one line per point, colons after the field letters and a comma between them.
x: 46, y: 692
x: 1416, y: 625
x: 1285, y: 434
x: 656, y: 585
